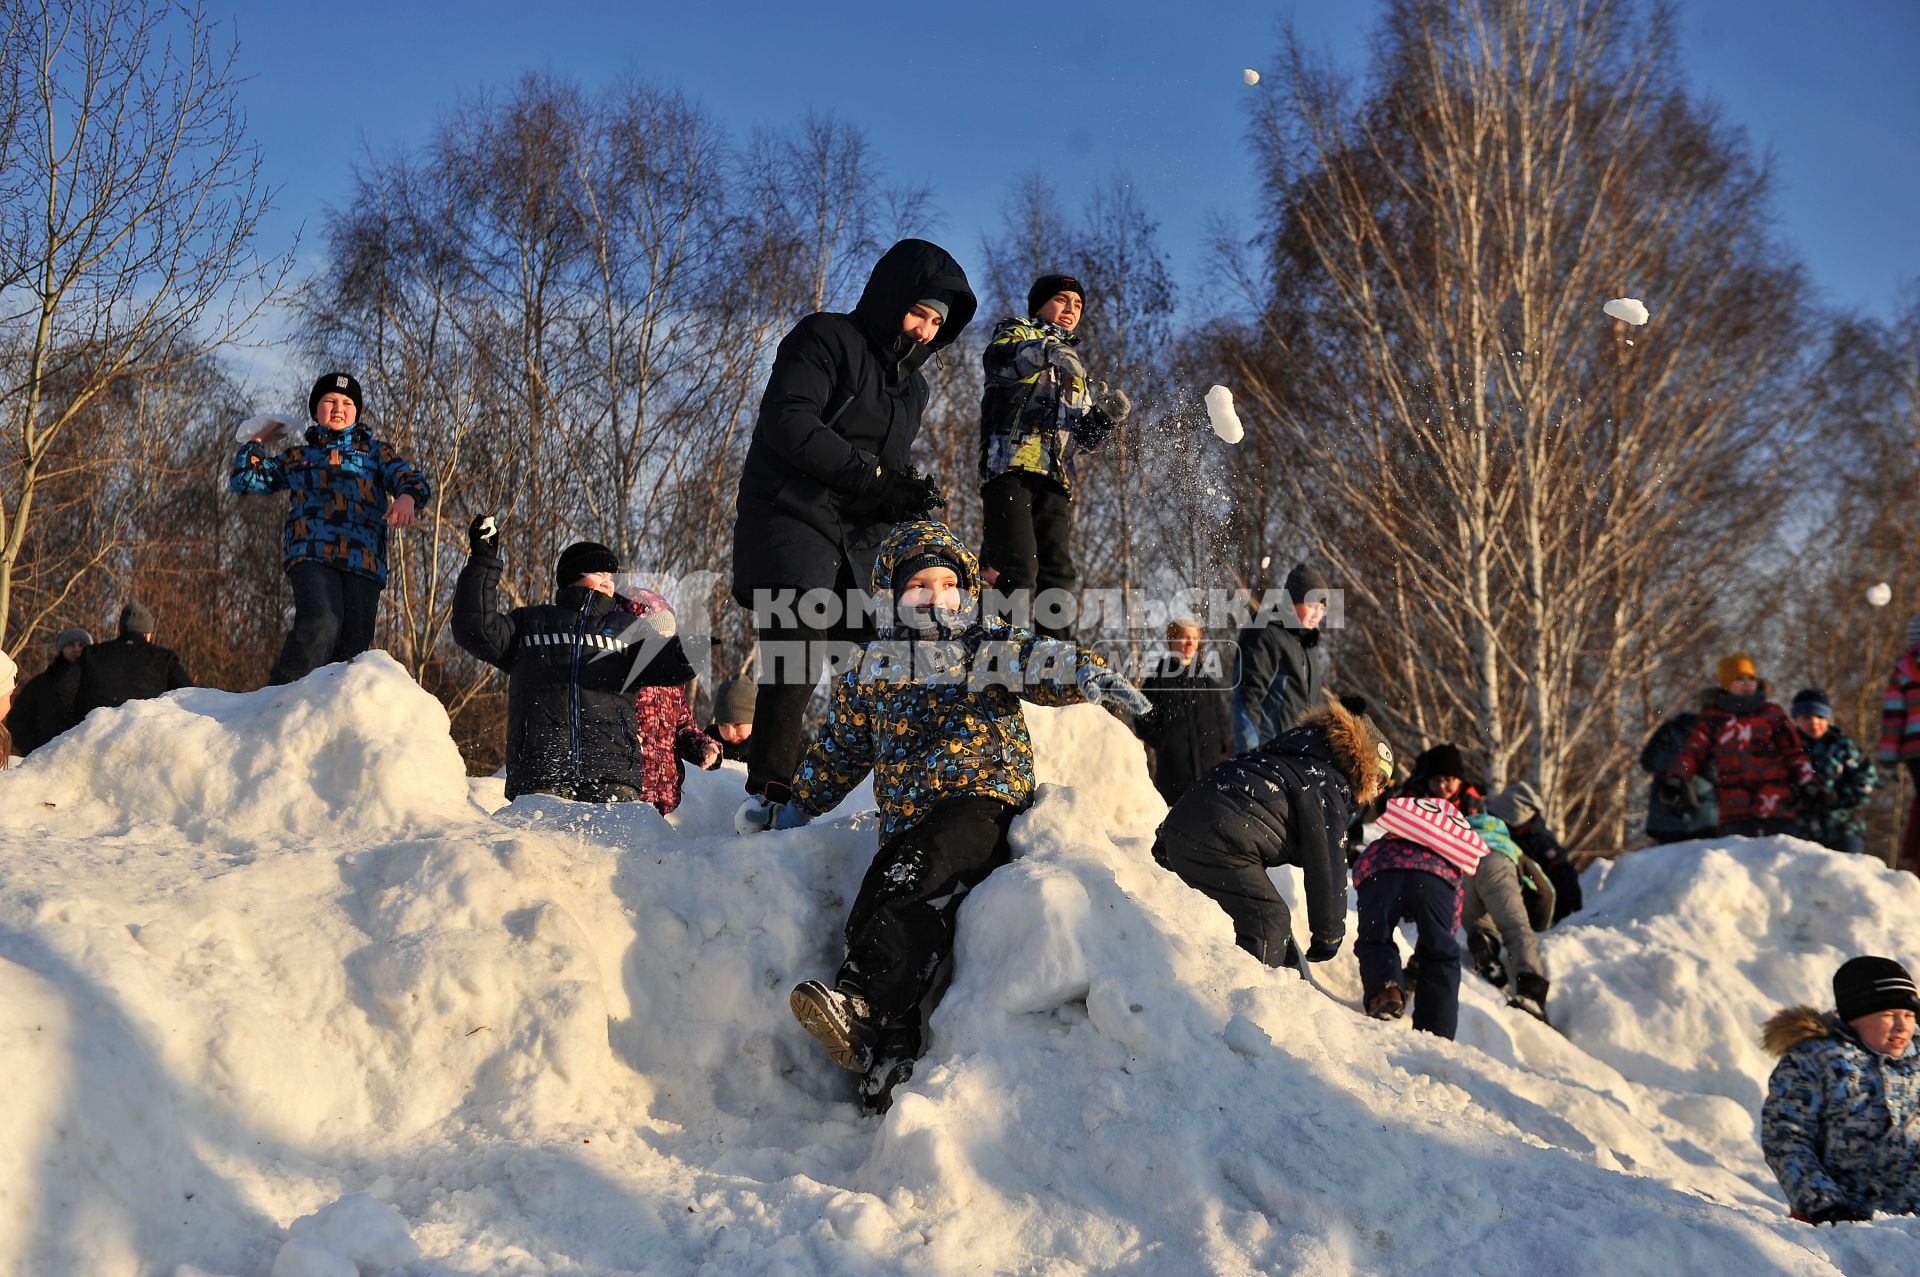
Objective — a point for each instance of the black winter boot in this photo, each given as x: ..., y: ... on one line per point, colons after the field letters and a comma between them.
x: 1530, y: 995
x: 1484, y: 947
x: 839, y: 1020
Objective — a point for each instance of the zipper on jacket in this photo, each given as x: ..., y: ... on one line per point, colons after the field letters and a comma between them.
x: 573, y: 686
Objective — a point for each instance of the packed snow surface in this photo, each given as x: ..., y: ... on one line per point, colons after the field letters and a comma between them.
x: 287, y: 994
x: 1221, y: 415
x: 1628, y: 310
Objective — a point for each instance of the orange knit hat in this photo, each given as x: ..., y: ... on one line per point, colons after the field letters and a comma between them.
x: 1739, y: 665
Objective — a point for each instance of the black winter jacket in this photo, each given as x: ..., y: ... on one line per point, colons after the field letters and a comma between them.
x: 1280, y: 680
x: 845, y: 397
x: 571, y: 676
x: 1296, y: 793
x: 42, y: 708
x: 1189, y: 730
x: 128, y: 668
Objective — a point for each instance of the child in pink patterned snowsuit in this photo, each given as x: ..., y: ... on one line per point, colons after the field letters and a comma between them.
x: 663, y: 722
x: 1414, y: 872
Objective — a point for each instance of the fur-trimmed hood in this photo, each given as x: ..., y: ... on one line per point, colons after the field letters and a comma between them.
x: 1790, y: 1026
x: 1359, y: 749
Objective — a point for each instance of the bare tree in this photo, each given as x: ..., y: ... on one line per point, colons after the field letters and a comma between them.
x: 129, y: 209
x: 1529, y: 504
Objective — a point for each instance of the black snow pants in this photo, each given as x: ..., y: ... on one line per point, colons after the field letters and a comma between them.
x: 1221, y: 851
x: 901, y: 928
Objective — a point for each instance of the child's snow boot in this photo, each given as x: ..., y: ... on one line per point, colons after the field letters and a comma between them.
x: 1530, y: 995
x: 1485, y: 949
x: 1387, y: 1003
x: 895, y: 1049
x: 839, y: 1020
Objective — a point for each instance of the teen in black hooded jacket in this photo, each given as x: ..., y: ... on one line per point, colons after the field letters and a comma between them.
x: 828, y: 473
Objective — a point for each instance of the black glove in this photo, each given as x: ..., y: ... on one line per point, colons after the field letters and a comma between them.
x: 1092, y: 429
x: 906, y: 495
x: 483, y: 533
x: 1815, y: 797
x: 1838, y: 1213
x: 1323, y: 949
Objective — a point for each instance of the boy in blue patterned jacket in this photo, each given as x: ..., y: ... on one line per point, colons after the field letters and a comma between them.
x: 341, y: 481
x: 932, y: 709
x: 1841, y: 1123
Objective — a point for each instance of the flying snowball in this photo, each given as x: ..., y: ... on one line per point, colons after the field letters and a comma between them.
x: 1880, y: 595
x: 1250, y: 75
x: 1266, y: 561
x: 1627, y: 309
x: 1225, y: 421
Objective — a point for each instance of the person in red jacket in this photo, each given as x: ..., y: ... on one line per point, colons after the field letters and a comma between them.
x: 663, y: 722
x: 1761, y: 772
x: 1900, y: 738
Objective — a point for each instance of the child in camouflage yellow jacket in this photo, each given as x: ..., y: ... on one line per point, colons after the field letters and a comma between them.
x: 1037, y: 412
x: 932, y: 710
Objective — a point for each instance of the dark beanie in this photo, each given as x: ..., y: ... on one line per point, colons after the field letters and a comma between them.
x: 1302, y: 581
x: 933, y: 556
x: 335, y: 383
x: 582, y: 557
x: 135, y: 619
x: 733, y: 700
x: 1047, y: 285
x: 1863, y: 986
x: 1811, y: 700
x: 72, y: 634
x: 1441, y: 760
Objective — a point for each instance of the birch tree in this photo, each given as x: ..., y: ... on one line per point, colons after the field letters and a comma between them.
x: 1532, y: 505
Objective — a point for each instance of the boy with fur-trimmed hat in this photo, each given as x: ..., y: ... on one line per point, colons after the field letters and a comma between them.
x: 1840, y: 1126
x: 348, y: 488
x: 931, y: 709
x: 1038, y: 411
x: 1287, y: 803
x: 1761, y: 773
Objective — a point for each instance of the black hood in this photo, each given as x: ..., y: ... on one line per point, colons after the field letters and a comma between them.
x: 912, y: 271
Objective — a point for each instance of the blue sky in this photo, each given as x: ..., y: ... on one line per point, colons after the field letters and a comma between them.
x: 970, y: 97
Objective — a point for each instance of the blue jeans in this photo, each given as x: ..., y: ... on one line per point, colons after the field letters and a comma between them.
x: 1431, y: 904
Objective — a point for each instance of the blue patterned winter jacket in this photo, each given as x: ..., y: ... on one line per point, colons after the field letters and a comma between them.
x: 342, y: 482
x: 1841, y: 1123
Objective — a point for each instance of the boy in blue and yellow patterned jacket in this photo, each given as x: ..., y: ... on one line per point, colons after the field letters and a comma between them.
x: 932, y: 709
x: 348, y: 489
x: 1037, y: 412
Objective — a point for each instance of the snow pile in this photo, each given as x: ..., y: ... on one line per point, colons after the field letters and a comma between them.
x: 359, y: 744
x: 398, y: 1035
x: 1629, y: 310
x: 1222, y: 416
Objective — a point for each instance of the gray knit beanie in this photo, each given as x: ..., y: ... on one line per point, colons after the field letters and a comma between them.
x: 733, y: 700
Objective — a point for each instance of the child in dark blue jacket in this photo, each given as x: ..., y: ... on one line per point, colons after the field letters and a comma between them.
x: 348, y: 488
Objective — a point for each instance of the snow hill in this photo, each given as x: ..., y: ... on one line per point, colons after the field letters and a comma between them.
x: 285, y: 993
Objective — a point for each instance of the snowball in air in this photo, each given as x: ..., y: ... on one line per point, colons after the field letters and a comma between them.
x: 1630, y: 309
x: 1220, y: 413
x: 1880, y: 595
x: 260, y: 425
x: 1250, y: 75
